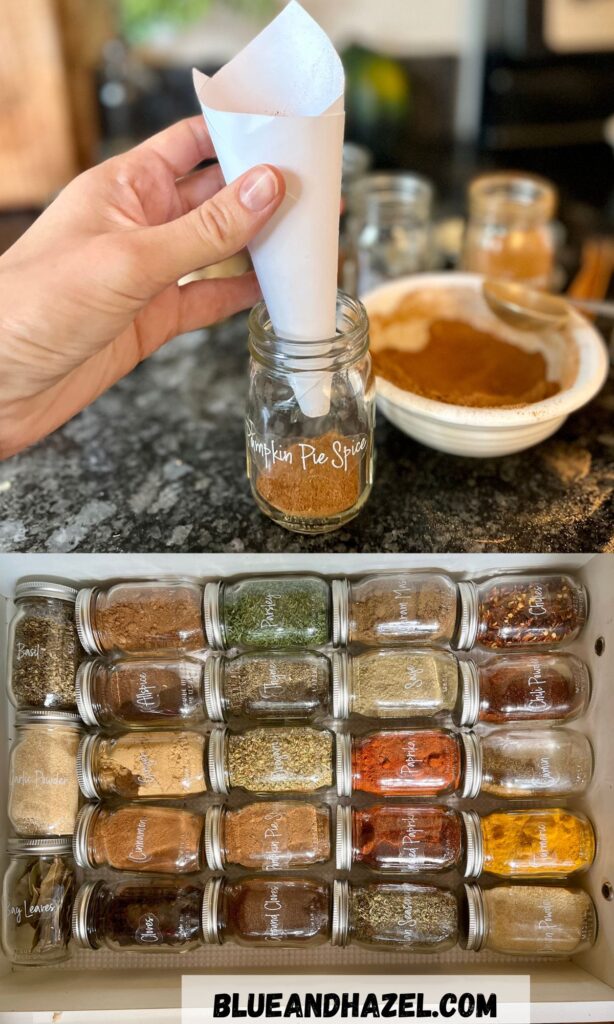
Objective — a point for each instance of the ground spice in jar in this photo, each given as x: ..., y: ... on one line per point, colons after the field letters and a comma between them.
x: 142, y: 837
x: 38, y: 893
x: 139, y: 617
x: 547, y: 920
x: 147, y: 764
x: 278, y: 760
x: 276, y: 685
x: 398, y: 837
x: 399, y: 684
x: 406, y: 762
x: 136, y: 692
x: 525, y: 610
x: 391, y: 608
x: 536, y: 843
x: 287, y: 911
x: 535, y: 762
x: 45, y: 653
x: 275, y: 611
x: 43, y: 787
x: 418, y: 917
x: 517, y: 687
x: 317, y: 477
x: 275, y: 836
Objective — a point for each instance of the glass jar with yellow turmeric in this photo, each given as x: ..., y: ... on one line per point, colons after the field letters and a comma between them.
x: 534, y: 843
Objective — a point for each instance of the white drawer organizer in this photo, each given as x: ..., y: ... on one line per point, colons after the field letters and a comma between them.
x: 105, y: 986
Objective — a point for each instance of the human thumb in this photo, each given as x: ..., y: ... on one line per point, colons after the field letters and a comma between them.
x: 212, y: 232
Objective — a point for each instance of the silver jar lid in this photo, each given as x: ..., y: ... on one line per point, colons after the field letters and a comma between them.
x: 472, y: 749
x: 213, y: 838
x: 80, y: 910
x: 86, y: 777
x: 340, y: 590
x: 43, y: 846
x: 45, y: 588
x: 477, y: 918
x: 343, y: 839
x: 83, y: 620
x: 83, y: 688
x: 470, y: 693
x: 44, y: 715
x: 210, y: 911
x: 474, y: 848
x: 213, y: 675
x: 468, y: 626
x: 343, y: 760
x: 340, y: 925
x: 341, y: 669
x: 211, y: 611
x: 216, y: 759
x: 83, y: 826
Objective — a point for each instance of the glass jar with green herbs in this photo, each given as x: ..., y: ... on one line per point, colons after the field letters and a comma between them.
x: 278, y: 611
x: 269, y: 685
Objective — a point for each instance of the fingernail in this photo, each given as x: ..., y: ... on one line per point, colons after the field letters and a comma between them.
x: 258, y: 189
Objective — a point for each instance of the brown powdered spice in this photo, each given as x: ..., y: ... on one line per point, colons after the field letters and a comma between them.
x: 138, y: 837
x: 275, y: 836
x: 150, y: 764
x: 314, y: 490
x: 461, y: 365
x: 138, y: 619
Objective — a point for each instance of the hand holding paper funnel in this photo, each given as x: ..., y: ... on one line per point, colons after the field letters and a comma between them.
x: 280, y: 101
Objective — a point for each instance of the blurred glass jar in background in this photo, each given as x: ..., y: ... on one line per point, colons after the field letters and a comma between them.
x: 510, y: 233
x: 389, y: 227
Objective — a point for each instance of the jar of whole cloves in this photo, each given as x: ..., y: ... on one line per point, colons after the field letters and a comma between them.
x: 150, y: 914
x: 134, y: 693
x: 138, y: 617
x: 275, y: 759
x: 389, y: 915
x: 140, y: 837
x: 268, y: 836
x: 390, y: 608
x: 310, y: 420
x: 267, y: 685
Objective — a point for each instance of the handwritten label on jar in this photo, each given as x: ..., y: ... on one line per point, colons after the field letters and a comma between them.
x: 148, y: 931
x: 25, y: 911
x: 338, y: 454
x: 138, y: 853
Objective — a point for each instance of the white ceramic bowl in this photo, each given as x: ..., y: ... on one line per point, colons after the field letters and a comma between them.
x: 481, y: 433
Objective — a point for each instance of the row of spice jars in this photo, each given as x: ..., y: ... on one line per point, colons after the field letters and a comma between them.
x: 288, y: 835
x: 286, y: 611
x: 126, y: 693
x: 505, y: 763
x: 176, y: 915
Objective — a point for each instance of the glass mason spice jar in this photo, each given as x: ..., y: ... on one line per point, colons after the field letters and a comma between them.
x: 145, y: 765
x: 268, y: 836
x: 44, y: 650
x: 282, y: 611
x: 395, y: 608
x: 521, y: 611
x: 277, y: 759
x: 524, y: 688
x: 267, y: 685
x: 405, y: 762
x: 528, y: 763
x: 394, y: 683
x: 140, y: 837
x: 529, y: 843
x: 133, y: 693
x: 400, y: 838
x: 420, y: 918
x: 138, y: 617
x: 529, y: 920
x: 43, y: 789
x: 261, y: 911
x: 309, y: 423
x: 149, y: 914
x: 38, y: 893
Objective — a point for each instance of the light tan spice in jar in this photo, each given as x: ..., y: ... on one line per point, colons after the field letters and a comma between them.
x: 278, y: 760
x: 396, y: 608
x: 539, y: 919
x: 274, y: 836
x: 149, y: 764
x: 43, y: 787
x: 398, y: 684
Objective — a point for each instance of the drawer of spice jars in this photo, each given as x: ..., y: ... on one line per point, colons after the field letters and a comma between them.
x: 555, y: 984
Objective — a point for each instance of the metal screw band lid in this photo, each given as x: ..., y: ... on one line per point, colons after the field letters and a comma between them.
x: 340, y: 925
x: 83, y: 620
x: 477, y: 918
x: 472, y: 750
x: 213, y: 682
x: 42, y: 845
x: 86, y: 776
x: 344, y: 846
x: 211, y: 611
x: 474, y: 848
x: 44, y: 715
x: 341, y: 684
x: 343, y: 759
x: 213, y: 838
x: 83, y: 826
x: 209, y: 912
x: 470, y: 702
x: 340, y: 590
x: 216, y: 759
x: 83, y: 687
x: 80, y: 910
x: 468, y: 625
x: 45, y: 588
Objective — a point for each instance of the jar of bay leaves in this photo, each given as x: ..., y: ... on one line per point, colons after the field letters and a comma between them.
x: 38, y: 893
x: 44, y: 648
x: 309, y: 424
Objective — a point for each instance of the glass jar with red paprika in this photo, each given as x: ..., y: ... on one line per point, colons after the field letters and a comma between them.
x: 521, y: 611
x: 402, y: 838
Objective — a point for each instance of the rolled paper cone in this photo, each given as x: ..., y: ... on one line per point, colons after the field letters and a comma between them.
x: 280, y: 101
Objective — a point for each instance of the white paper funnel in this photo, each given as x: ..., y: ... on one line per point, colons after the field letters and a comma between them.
x: 280, y: 101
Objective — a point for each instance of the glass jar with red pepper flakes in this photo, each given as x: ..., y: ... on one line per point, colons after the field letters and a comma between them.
x: 523, y: 688
x: 402, y: 838
x: 521, y: 611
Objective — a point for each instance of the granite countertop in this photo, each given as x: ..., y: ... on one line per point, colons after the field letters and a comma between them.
x: 157, y: 464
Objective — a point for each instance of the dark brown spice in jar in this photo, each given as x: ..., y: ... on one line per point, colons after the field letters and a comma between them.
x: 526, y: 610
x: 130, y: 692
x: 278, y: 911
x: 140, y: 837
x: 538, y: 687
